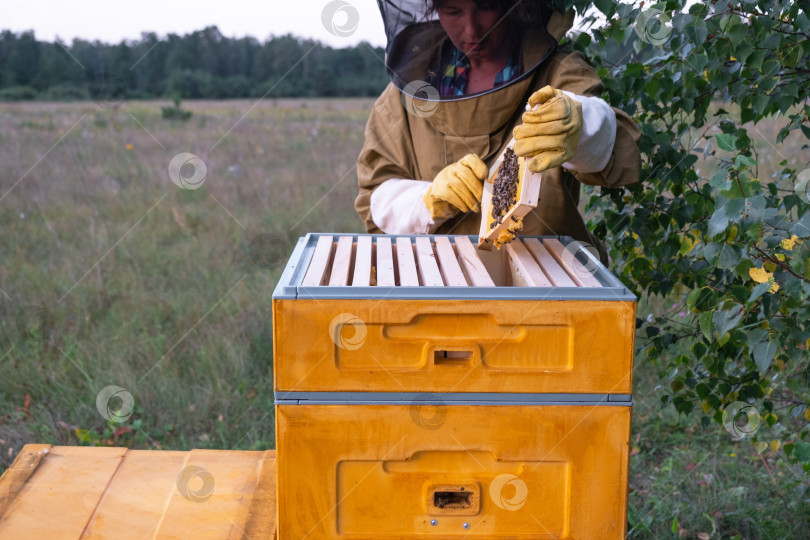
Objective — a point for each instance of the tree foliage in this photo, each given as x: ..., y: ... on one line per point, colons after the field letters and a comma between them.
x: 724, y: 251
x: 203, y: 64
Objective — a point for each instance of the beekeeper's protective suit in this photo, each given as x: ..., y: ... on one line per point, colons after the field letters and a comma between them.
x: 416, y: 140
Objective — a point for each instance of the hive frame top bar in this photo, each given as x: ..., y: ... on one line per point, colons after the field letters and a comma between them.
x: 291, y: 283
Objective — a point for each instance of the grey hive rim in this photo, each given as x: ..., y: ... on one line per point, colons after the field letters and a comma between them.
x: 290, y: 284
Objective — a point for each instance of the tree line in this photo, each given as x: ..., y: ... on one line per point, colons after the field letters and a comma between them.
x: 200, y: 65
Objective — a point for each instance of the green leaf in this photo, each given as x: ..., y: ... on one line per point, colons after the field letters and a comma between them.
x: 725, y: 320
x: 711, y: 250
x: 758, y: 291
x: 720, y: 179
x: 758, y: 335
x: 699, y: 298
x: 743, y: 161
x: 698, y: 62
x: 705, y: 322
x: 763, y: 355
x: 755, y: 60
x: 802, y: 227
x: 801, y: 451
x: 606, y: 7
x: 729, y: 257
x: 726, y: 141
x: 759, y: 102
x: 724, y: 210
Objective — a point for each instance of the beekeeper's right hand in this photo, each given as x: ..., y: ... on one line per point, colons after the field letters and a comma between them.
x: 457, y: 188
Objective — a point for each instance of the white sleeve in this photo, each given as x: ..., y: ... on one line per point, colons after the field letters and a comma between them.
x: 397, y: 207
x: 597, y: 137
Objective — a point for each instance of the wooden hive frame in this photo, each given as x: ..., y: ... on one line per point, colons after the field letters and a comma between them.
x: 527, y: 197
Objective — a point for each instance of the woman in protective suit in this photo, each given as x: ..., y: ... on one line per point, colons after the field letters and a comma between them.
x: 463, y: 72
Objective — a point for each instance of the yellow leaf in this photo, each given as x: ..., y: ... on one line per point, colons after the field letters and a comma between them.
x: 780, y: 365
x: 761, y: 446
x: 788, y: 243
x: 807, y: 414
x: 706, y: 407
x: 769, y: 266
x: 775, y: 445
x: 686, y: 244
x: 732, y: 232
x: 733, y: 59
x: 774, y: 287
x: 780, y: 256
x: 759, y: 275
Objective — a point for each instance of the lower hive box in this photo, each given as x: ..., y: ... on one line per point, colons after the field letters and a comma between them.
x: 443, y: 470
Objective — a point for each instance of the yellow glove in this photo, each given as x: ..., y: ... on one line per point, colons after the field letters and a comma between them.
x: 549, y: 135
x: 457, y: 188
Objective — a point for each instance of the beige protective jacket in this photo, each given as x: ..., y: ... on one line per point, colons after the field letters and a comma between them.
x: 402, y: 145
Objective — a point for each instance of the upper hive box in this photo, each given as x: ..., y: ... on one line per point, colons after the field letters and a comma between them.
x: 404, y: 314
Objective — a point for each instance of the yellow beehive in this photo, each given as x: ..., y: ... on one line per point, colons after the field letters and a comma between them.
x: 426, y: 388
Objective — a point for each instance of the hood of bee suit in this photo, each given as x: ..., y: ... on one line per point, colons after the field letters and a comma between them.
x: 417, y: 42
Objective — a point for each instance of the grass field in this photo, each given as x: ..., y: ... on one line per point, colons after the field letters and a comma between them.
x: 112, y: 275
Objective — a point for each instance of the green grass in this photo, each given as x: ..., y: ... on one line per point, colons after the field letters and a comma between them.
x: 111, y: 275
x: 703, y: 481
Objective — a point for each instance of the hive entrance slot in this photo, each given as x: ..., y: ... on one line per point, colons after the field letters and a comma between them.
x: 452, y: 499
x: 451, y: 358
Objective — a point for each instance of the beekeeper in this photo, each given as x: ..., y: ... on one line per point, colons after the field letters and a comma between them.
x: 463, y: 72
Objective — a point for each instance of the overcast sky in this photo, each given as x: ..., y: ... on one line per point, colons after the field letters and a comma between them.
x: 353, y: 20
